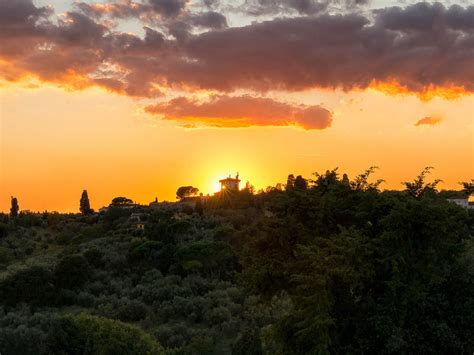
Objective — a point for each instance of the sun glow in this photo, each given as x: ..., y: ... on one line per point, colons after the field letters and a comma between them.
x: 214, y: 185
x: 393, y: 87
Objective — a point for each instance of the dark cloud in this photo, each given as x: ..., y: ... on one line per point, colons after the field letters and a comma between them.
x: 168, y: 8
x: 418, y: 49
x: 242, y: 111
x: 210, y: 19
x: 271, y: 7
x: 20, y: 11
x: 303, y: 7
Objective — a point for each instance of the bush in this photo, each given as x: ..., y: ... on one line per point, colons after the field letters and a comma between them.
x: 33, y: 285
x: 3, y: 230
x: 132, y: 311
x: 94, y: 257
x: 89, y: 334
x: 71, y: 272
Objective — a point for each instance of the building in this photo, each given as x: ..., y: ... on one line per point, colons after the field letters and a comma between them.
x: 230, y: 184
x: 154, y: 203
x: 463, y: 202
x: 136, y: 220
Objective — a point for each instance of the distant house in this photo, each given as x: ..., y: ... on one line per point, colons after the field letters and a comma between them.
x: 230, y: 184
x: 136, y: 219
x: 463, y: 202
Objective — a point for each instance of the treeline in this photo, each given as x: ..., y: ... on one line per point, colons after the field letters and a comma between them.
x: 325, y: 264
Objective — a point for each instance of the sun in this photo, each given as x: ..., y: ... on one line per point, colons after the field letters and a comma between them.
x: 215, y: 185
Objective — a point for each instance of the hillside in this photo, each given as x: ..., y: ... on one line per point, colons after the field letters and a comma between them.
x: 328, y: 267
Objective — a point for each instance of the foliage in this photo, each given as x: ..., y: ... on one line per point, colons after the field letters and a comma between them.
x: 45, y: 333
x: 366, y: 271
x: 121, y: 201
x: 361, y: 182
x: 85, y: 207
x: 97, y: 335
x: 71, y: 272
x: 33, y: 285
x: 14, y: 207
x: 419, y: 186
x: 468, y: 187
x: 3, y: 230
x: 330, y: 265
x: 186, y: 191
x: 300, y: 183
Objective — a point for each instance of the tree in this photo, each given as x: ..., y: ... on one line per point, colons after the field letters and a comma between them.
x: 14, y: 208
x: 87, y: 334
x: 3, y: 230
x: 85, y: 207
x: 186, y: 191
x: 33, y: 285
x: 361, y: 181
x: 345, y: 180
x: 121, y: 201
x: 468, y: 187
x: 71, y: 272
x: 249, y: 188
x: 419, y: 186
x: 290, y: 182
x: 301, y: 183
x: 366, y: 271
x: 324, y: 181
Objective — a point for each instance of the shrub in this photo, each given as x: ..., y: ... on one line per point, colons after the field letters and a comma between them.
x: 71, y: 272
x: 33, y: 285
x: 89, y: 334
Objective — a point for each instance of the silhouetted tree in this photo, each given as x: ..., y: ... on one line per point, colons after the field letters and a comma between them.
x: 324, y: 181
x: 85, y: 207
x: 14, y: 207
x: 468, y: 187
x: 361, y: 181
x: 249, y: 188
x: 345, y: 180
x: 301, y: 183
x: 121, y: 201
x: 186, y: 191
x: 290, y: 182
x: 419, y: 187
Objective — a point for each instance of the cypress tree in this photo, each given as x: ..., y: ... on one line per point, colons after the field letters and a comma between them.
x: 15, y: 208
x: 84, y: 204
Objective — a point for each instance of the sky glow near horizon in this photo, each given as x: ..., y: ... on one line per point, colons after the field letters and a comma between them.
x: 90, y: 99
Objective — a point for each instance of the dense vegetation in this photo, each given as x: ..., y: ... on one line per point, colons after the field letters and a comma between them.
x: 317, y: 266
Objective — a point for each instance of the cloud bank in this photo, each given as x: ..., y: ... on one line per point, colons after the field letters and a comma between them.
x: 423, y: 49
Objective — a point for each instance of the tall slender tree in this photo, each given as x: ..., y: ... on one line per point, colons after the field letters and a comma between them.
x: 14, y: 208
x: 290, y: 182
x: 85, y: 206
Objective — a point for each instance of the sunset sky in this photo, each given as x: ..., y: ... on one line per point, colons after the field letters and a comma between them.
x: 136, y: 98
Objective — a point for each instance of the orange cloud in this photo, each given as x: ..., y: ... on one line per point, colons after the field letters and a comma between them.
x: 242, y: 111
x: 393, y: 87
x: 430, y: 121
